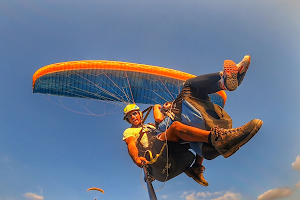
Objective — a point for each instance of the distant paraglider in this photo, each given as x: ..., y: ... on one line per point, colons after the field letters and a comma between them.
x: 96, y: 190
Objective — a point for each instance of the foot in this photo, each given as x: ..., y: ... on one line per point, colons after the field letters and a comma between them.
x: 196, y: 172
x: 229, y: 79
x: 228, y: 141
x: 242, y: 68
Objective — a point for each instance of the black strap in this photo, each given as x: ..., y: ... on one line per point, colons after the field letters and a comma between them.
x: 148, y: 110
x: 140, y: 135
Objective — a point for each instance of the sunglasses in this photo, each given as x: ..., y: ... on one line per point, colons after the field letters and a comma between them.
x: 132, y: 114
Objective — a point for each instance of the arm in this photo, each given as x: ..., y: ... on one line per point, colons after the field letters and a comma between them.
x: 134, y: 153
x: 158, y: 115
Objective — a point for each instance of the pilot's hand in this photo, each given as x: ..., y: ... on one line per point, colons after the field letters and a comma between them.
x: 139, y: 161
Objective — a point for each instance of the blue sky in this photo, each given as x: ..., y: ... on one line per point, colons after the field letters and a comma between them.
x: 49, y: 152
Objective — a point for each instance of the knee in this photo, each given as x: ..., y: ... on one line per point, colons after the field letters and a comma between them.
x: 175, y: 125
x: 175, y: 128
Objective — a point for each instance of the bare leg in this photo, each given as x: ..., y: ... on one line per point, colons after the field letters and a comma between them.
x: 225, y: 141
x: 184, y: 132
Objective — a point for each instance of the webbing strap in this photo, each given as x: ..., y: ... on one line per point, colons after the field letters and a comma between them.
x: 148, y: 110
x: 153, y: 160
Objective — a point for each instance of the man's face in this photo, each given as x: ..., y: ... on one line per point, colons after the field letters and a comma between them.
x: 134, y: 117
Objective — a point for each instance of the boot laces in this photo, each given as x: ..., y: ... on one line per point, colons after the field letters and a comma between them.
x: 202, y: 169
x: 221, y: 133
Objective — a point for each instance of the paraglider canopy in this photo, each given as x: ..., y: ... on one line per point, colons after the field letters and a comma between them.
x: 114, y: 81
x: 94, y: 188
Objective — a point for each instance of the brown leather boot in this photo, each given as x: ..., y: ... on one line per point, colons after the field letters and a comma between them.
x: 228, y: 141
x: 196, y: 172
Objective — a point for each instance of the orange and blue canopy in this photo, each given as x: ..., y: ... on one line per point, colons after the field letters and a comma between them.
x: 113, y: 81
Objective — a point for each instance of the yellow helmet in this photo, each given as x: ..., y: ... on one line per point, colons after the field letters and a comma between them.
x: 128, y: 108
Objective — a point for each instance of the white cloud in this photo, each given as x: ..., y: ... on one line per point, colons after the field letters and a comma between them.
x: 279, y: 193
x: 229, y: 196
x: 208, y: 194
x: 192, y: 195
x: 164, y: 196
x: 276, y: 194
x: 201, y: 194
x: 296, y: 164
x: 33, y: 196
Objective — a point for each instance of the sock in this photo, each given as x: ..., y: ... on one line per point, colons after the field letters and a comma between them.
x: 222, y: 83
x: 209, y: 139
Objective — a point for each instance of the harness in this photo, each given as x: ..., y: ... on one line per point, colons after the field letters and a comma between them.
x: 147, y: 151
x: 166, y: 159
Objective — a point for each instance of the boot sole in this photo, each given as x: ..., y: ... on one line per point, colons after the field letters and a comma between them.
x: 238, y: 146
x: 231, y: 82
x: 231, y: 70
